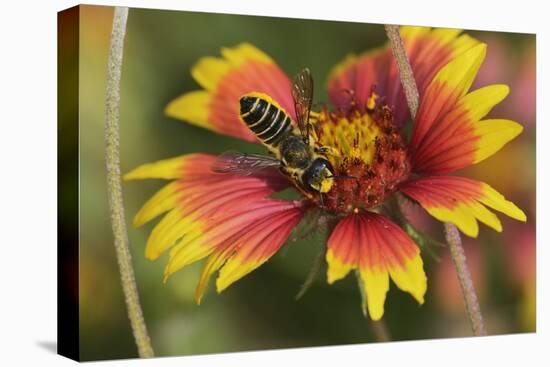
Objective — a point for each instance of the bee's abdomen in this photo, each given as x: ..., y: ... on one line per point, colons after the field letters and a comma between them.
x: 269, y: 122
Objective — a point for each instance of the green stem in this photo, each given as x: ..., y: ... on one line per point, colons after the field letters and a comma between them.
x: 451, y: 232
x: 380, y: 330
x: 114, y: 186
x: 404, y: 67
x: 465, y: 278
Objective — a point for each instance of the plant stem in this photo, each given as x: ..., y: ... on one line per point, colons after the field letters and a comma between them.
x: 380, y: 330
x: 404, y: 67
x: 451, y: 232
x: 464, y: 277
x: 114, y: 187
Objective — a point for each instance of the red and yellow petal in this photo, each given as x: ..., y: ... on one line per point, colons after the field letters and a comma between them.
x: 380, y: 250
x: 461, y: 201
x: 196, y: 195
x: 239, y: 241
x: 227, y: 217
x: 259, y: 244
x: 428, y: 51
x: 448, y: 134
x: 240, y: 70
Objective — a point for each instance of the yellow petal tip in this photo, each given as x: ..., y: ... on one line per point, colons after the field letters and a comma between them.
x: 192, y: 107
x: 151, y: 254
x: 198, y: 299
x: 497, y: 201
x: 136, y: 223
x: 220, y: 286
x: 521, y: 216
x: 505, y: 89
x: 130, y: 176
x: 481, y: 48
x: 332, y: 276
x: 376, y: 315
x: 419, y: 296
x: 139, y: 220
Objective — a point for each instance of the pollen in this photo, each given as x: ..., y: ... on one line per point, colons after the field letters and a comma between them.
x: 351, y: 136
x: 369, y: 156
x: 371, y: 102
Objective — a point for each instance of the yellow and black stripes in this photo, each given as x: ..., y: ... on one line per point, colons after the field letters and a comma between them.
x: 265, y: 118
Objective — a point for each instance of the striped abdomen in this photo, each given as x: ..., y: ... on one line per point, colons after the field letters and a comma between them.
x: 266, y: 119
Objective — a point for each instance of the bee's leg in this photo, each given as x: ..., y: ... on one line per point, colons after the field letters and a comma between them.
x: 308, y: 134
x: 311, y: 126
x: 328, y: 151
x: 322, y: 201
x: 313, y: 117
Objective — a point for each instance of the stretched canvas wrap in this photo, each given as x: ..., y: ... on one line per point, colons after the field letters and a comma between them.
x: 233, y: 183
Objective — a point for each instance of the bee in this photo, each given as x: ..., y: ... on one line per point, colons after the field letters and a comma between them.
x: 293, y: 145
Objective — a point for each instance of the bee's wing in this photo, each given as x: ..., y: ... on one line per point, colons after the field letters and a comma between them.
x: 302, y: 93
x: 243, y: 164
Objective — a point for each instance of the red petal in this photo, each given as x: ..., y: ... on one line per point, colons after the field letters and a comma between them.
x: 428, y: 51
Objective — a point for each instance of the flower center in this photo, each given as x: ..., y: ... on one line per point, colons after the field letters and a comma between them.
x: 368, y: 154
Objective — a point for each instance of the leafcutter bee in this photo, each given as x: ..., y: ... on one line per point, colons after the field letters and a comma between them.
x: 293, y: 146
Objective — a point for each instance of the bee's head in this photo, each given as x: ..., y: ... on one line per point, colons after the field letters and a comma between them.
x: 319, y: 176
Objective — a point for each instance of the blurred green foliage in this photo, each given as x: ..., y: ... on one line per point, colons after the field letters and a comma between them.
x: 258, y: 312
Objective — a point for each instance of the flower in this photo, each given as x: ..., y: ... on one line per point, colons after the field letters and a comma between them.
x: 234, y: 221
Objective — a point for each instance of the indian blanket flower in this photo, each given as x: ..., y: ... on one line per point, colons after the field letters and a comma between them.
x: 234, y: 220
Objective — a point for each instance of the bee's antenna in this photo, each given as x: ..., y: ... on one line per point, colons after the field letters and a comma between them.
x: 321, y: 200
